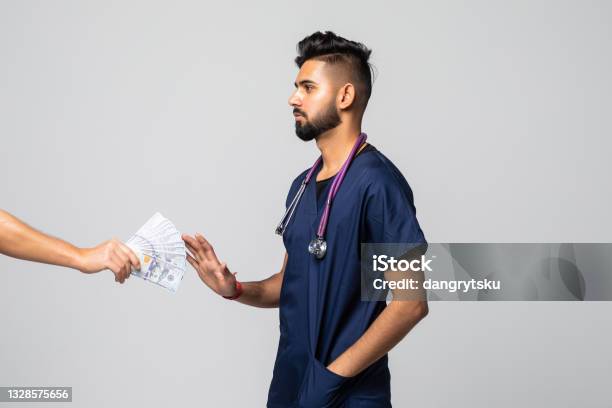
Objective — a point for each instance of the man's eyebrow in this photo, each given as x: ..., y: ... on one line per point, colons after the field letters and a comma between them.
x: 305, y: 82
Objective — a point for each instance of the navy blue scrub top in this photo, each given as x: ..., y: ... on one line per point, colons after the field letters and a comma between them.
x: 321, y: 312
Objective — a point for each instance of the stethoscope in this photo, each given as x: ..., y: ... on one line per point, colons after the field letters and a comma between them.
x: 318, y: 246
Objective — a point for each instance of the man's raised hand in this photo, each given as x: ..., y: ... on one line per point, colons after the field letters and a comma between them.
x: 213, y: 272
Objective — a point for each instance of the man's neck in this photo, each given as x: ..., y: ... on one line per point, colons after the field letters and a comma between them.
x: 335, y: 146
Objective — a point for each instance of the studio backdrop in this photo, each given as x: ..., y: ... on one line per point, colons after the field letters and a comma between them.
x: 497, y: 113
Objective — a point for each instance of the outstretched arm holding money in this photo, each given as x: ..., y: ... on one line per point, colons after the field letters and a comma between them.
x: 216, y: 275
x: 19, y: 240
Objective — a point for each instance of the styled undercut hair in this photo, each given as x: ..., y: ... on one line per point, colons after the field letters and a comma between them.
x: 349, y: 55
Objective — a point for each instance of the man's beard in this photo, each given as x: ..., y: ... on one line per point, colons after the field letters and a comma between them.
x: 328, y: 119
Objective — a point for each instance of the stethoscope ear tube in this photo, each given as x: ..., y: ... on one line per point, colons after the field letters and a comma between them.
x: 282, y: 225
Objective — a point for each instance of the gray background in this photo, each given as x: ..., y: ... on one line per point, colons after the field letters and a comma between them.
x: 497, y: 113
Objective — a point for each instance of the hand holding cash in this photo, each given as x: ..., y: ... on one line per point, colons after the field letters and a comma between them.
x: 113, y: 255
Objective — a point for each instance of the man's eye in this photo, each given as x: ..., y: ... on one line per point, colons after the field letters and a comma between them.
x: 308, y: 87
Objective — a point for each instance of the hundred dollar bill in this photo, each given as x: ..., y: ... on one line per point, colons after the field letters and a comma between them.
x: 161, y: 250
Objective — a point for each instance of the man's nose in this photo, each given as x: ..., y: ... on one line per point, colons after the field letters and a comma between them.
x: 294, y: 100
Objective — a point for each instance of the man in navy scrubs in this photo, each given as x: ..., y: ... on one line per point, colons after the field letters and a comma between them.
x: 333, y: 345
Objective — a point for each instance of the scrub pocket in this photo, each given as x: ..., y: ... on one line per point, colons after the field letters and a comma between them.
x: 321, y: 388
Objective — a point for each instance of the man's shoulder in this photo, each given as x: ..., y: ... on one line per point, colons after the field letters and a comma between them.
x: 382, y: 172
x: 300, y: 177
x: 386, y: 187
x: 295, y: 184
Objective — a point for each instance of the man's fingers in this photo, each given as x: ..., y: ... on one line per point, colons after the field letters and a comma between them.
x: 115, y: 268
x: 202, y: 257
x: 192, y: 261
x: 208, y: 249
x: 196, y: 246
x: 192, y: 251
x: 120, y: 266
x: 126, y: 264
x: 124, y: 273
x: 123, y: 257
x: 189, y: 240
x: 133, y: 258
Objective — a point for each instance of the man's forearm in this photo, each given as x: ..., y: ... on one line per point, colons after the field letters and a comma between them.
x: 19, y: 240
x: 265, y: 293
x: 398, y: 318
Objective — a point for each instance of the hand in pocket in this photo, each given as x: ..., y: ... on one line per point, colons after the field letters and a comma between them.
x: 322, y: 388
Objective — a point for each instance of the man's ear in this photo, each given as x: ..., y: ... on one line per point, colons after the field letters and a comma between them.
x: 346, y: 96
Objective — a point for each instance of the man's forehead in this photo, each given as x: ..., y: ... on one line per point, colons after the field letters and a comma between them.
x: 313, y: 71
x: 310, y: 70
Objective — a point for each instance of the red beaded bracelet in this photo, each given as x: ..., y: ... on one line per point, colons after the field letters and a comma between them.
x: 238, y: 292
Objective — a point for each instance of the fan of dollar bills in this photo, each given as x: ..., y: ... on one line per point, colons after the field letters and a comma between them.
x: 161, y: 251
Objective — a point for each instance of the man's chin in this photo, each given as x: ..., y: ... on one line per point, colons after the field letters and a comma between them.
x: 304, y: 134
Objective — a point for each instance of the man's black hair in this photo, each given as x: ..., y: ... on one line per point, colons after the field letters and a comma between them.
x: 335, y: 50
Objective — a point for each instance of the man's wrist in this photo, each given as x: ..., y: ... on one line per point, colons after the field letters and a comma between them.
x: 237, y: 291
x: 76, y: 258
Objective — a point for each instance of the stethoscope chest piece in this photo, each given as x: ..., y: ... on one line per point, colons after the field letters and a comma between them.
x: 318, y: 247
